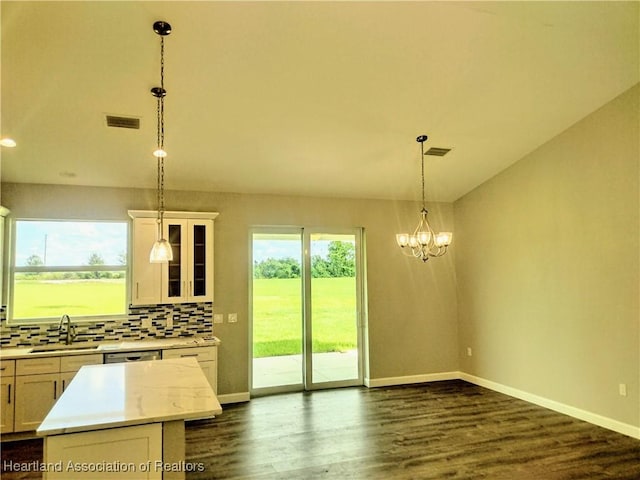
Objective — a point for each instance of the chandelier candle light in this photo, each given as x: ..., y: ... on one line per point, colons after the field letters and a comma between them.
x: 161, y: 252
x: 424, y: 243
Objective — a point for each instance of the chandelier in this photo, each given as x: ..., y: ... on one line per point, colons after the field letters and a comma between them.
x: 424, y: 243
x: 161, y: 251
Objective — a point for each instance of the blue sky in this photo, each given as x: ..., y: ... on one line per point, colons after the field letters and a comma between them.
x: 263, y: 249
x: 70, y: 243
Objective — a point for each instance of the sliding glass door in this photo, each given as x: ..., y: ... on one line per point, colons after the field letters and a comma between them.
x: 306, y: 298
x: 277, y: 310
x: 332, y: 311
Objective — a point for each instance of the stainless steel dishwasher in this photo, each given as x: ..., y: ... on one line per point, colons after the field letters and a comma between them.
x: 124, y: 357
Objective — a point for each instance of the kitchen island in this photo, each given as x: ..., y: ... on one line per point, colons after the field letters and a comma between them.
x: 126, y: 421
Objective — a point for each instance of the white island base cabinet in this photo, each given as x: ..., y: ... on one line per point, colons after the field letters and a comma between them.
x: 143, y: 452
x: 123, y: 453
x: 126, y: 421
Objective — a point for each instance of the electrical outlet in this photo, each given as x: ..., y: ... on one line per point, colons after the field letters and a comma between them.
x: 622, y: 389
x: 169, y: 321
x: 233, y: 317
x: 146, y: 323
x: 218, y: 318
x: 469, y: 352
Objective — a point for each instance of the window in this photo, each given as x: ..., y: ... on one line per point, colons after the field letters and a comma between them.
x: 73, y: 267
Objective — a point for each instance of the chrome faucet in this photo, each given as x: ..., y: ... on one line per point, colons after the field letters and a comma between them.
x: 71, y: 329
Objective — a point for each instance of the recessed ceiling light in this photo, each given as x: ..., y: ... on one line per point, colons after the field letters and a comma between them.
x: 7, y: 142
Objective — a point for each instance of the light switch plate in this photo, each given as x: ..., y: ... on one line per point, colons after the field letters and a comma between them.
x: 169, y: 321
x: 233, y: 317
x: 218, y: 318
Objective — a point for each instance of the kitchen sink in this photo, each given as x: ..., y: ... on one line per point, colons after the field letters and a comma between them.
x: 64, y: 348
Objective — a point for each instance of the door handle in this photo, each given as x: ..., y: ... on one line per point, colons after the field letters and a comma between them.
x: 55, y: 389
x: 9, y: 393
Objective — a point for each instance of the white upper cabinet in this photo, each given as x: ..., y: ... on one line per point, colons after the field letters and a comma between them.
x: 145, y: 276
x: 186, y: 278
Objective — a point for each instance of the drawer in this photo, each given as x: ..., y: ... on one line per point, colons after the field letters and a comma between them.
x: 72, y: 363
x: 30, y: 366
x: 202, y: 354
x: 7, y: 368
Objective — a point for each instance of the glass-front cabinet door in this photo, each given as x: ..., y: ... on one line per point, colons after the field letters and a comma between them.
x: 189, y: 276
x: 176, y: 273
x: 199, y: 235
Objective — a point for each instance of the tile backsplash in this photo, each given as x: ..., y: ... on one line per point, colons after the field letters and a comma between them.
x: 149, y: 321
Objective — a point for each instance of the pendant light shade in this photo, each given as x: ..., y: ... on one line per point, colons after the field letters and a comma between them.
x: 161, y: 252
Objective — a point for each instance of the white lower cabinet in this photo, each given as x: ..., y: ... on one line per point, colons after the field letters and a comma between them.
x: 38, y: 384
x: 7, y: 396
x: 35, y: 395
x: 207, y: 359
x: 37, y: 389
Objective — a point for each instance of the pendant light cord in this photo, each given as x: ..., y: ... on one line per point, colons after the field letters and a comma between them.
x: 422, y: 162
x: 160, y: 134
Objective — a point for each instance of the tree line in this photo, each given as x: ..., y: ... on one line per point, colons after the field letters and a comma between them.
x: 339, y: 262
x: 93, y: 260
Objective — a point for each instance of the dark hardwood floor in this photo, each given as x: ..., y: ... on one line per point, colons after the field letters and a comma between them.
x: 438, y: 430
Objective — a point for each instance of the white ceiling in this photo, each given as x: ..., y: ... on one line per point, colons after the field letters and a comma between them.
x: 311, y: 98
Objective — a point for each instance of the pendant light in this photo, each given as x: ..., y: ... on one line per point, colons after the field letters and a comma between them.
x: 161, y: 252
x: 424, y: 243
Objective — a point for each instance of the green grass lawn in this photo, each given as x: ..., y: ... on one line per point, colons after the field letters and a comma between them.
x: 277, y: 316
x: 41, y: 299
x: 277, y: 309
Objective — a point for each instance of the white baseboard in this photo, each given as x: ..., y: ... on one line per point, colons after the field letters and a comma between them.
x: 594, y: 418
x: 428, y: 377
x: 234, y: 398
x: 590, y: 417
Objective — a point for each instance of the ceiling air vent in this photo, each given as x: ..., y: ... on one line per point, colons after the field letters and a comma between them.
x: 438, y: 152
x: 123, y: 122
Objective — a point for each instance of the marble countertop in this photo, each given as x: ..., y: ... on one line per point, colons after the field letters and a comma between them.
x: 125, y: 394
x: 14, y: 353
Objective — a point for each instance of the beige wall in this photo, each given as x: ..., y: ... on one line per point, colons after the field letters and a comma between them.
x: 412, y: 327
x: 545, y: 289
x: 547, y: 268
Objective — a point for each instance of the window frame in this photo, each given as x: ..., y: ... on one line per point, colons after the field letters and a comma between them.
x: 13, y: 269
